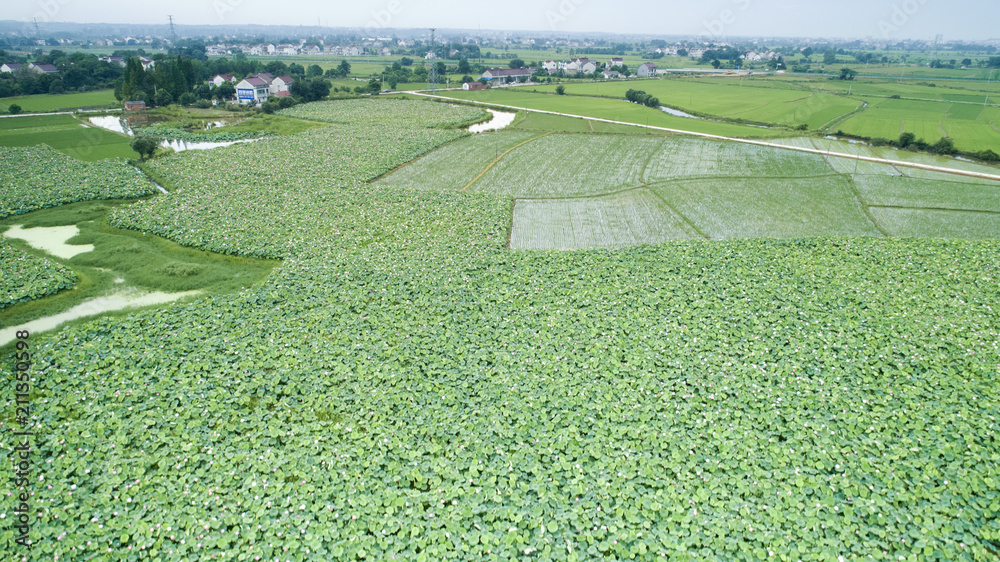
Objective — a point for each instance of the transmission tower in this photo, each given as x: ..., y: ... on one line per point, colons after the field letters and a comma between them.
x: 38, y: 34
x: 432, y: 76
x: 173, y: 34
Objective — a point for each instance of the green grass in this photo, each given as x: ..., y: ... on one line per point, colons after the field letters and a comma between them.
x: 969, y: 126
x: 726, y: 208
x: 628, y: 218
x: 67, y: 134
x: 724, y: 97
x: 139, y: 260
x: 43, y: 103
x: 617, y: 110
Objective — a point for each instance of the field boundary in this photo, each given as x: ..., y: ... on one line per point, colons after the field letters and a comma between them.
x: 927, y: 167
x: 498, y: 158
x: 945, y: 209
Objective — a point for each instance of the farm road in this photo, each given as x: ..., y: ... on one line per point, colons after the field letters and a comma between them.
x: 733, y: 139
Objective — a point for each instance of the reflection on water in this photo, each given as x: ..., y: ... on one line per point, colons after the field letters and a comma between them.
x: 181, y: 146
x: 500, y: 120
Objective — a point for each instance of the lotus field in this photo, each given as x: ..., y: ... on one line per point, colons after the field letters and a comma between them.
x: 38, y: 177
x: 406, y: 387
x: 24, y: 277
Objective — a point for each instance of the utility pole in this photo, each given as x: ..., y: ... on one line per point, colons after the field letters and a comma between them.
x: 432, y: 76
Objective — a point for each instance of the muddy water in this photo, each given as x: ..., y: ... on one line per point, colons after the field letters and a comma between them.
x: 118, y: 301
x: 51, y: 239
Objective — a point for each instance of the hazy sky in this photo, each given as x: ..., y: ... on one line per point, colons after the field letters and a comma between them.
x: 893, y: 19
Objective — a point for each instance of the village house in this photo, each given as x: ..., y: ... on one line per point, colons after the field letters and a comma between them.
x: 613, y: 63
x: 220, y: 79
x: 252, y: 90
x: 136, y: 105
x: 120, y: 61
x: 42, y: 68
x: 550, y: 66
x: 612, y: 74
x: 281, y: 84
x: 582, y: 66
x: 10, y: 67
x: 646, y: 69
x: 473, y: 86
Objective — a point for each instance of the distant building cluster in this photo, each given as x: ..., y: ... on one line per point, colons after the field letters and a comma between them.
x: 376, y: 47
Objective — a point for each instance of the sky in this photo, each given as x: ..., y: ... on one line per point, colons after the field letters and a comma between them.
x: 879, y: 19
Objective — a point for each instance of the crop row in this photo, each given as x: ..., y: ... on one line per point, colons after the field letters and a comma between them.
x: 38, y: 177
x: 26, y: 277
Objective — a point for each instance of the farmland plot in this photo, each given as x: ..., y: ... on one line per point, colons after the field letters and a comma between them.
x: 403, y: 388
x: 683, y: 158
x: 751, y: 208
x: 570, y: 165
x: 38, y: 177
x: 926, y: 223
x: 26, y: 277
x: 453, y: 166
x: 941, y: 192
x: 387, y: 112
x: 629, y: 218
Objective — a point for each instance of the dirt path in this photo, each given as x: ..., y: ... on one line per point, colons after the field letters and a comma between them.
x: 915, y: 165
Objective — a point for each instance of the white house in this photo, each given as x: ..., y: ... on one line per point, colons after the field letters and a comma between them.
x: 271, y: 49
x: 253, y: 90
x: 385, y: 52
x: 42, y: 68
x: 612, y: 74
x: 613, y: 63
x: 220, y: 79
x: 584, y: 65
x: 646, y: 69
x: 146, y: 63
x: 550, y: 66
x: 281, y: 84
x: 10, y: 67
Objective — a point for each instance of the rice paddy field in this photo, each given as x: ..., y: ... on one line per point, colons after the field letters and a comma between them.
x: 65, y: 133
x: 617, y: 353
x: 44, y: 103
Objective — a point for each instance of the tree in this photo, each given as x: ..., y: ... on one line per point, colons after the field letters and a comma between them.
x: 906, y: 139
x: 847, y: 73
x: 807, y: 52
x: 830, y: 57
x: 682, y: 52
x: 466, y: 79
x: 226, y: 91
x: 560, y: 90
x: 716, y: 63
x: 344, y: 68
x: 145, y: 145
x: 944, y: 146
x: 516, y: 63
x: 464, y: 67
x: 405, y: 61
x: 297, y: 69
x: 163, y: 98
x: 314, y: 70
x: 966, y: 62
x: 14, y: 109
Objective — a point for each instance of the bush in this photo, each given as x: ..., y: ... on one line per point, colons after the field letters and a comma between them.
x: 879, y: 141
x: 203, y: 104
x: 188, y: 98
x: 14, y: 109
x: 987, y: 156
x: 560, y: 90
